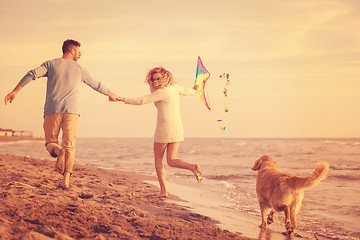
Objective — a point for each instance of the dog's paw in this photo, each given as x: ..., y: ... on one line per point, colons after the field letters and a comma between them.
x: 289, y: 226
x: 288, y: 232
x: 262, y: 225
x: 270, y: 219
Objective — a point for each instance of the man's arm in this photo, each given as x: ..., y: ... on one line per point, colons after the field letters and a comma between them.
x: 31, y: 75
x: 11, y: 96
x: 97, y: 86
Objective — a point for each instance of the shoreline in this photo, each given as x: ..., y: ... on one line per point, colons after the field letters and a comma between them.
x: 100, y: 204
x: 19, y: 138
x: 228, y: 194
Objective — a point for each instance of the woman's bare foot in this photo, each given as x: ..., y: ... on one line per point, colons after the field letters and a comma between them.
x: 162, y: 195
x: 197, y: 173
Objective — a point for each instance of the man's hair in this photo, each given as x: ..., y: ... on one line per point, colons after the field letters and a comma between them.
x: 67, y: 46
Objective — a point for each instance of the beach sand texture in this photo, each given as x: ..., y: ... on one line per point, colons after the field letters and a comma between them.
x: 101, y: 204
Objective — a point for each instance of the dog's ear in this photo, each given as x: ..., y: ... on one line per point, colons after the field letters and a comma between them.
x: 257, y: 165
x: 277, y: 167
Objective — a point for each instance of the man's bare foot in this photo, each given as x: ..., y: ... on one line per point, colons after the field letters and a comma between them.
x: 60, y: 162
x: 66, y: 181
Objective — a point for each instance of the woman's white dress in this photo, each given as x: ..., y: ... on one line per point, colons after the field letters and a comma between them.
x: 169, y: 126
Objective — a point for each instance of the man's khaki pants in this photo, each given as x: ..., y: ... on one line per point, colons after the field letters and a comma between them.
x: 68, y: 123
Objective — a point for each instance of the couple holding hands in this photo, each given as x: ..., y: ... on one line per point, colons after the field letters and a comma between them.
x: 64, y: 76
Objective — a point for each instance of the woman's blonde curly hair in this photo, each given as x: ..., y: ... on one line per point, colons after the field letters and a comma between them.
x: 167, y: 78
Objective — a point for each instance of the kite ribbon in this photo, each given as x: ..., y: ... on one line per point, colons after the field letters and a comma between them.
x: 202, y: 75
x: 226, y: 110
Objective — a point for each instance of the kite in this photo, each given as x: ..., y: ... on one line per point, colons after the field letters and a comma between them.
x: 226, y: 110
x: 202, y: 75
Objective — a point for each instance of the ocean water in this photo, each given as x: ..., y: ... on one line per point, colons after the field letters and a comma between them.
x: 330, y: 210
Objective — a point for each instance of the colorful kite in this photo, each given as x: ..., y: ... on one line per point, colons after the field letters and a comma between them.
x: 226, y: 110
x: 202, y: 75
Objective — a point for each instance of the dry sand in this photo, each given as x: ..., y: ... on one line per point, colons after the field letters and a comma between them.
x: 100, y: 204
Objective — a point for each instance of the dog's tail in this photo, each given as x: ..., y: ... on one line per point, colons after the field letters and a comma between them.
x: 307, y: 182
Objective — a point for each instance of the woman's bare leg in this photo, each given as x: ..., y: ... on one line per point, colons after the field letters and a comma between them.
x: 172, y: 150
x: 159, y: 150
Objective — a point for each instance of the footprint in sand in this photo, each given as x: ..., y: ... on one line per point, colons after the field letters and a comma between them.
x: 85, y: 195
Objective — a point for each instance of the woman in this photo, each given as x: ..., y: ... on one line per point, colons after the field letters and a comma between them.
x: 169, y: 129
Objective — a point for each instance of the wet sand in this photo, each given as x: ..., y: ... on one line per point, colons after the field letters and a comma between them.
x: 18, y: 138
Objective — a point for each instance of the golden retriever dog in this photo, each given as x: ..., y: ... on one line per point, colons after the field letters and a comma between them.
x: 283, y: 192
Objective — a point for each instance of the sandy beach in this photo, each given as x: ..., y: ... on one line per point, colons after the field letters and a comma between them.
x: 101, y: 204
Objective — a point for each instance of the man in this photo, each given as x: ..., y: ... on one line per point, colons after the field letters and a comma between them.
x: 61, y: 105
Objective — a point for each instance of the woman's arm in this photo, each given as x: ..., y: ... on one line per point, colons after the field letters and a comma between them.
x: 188, y: 91
x: 153, y: 97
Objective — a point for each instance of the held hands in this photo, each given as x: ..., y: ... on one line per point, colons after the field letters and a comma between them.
x: 113, y: 97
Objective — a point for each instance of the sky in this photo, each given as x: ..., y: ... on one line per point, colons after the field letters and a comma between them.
x: 294, y: 66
